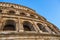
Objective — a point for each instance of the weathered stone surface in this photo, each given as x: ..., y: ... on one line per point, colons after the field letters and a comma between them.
x: 18, y: 22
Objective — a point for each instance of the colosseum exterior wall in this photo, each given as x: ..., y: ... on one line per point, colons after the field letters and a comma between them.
x: 18, y: 22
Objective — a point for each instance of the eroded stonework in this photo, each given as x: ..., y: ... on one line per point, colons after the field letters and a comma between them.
x: 18, y: 22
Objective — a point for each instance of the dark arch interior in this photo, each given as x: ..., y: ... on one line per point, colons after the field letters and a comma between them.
x: 9, y: 25
x: 0, y: 10
x: 11, y: 12
x: 51, y: 29
x: 22, y: 14
x: 32, y: 15
x: 41, y: 27
x: 28, y: 26
x: 12, y: 6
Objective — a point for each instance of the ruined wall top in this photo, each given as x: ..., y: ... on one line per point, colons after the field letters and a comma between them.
x: 16, y: 6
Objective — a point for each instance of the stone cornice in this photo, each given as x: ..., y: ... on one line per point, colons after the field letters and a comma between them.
x: 16, y: 6
x: 30, y: 34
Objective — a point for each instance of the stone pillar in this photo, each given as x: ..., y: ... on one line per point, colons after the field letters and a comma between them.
x: 20, y: 26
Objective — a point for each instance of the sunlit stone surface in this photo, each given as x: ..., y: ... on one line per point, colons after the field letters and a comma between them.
x: 18, y: 22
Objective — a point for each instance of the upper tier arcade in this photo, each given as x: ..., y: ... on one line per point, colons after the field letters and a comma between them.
x: 19, y: 16
x: 15, y: 8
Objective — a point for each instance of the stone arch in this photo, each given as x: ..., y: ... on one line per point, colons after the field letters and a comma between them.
x: 0, y: 11
x: 31, y: 15
x: 11, y: 12
x: 52, y: 30
x: 41, y: 27
x: 28, y: 26
x: 12, y: 6
x: 10, y: 25
x: 23, y: 14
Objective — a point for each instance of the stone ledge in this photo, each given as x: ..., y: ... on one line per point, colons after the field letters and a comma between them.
x: 30, y: 34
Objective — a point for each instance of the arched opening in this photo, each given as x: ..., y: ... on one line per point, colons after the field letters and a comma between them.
x: 52, y: 30
x: 41, y: 27
x: 12, y: 6
x: 33, y: 16
x: 22, y: 14
x: 10, y: 25
x: 0, y: 11
x: 28, y: 26
x: 11, y: 12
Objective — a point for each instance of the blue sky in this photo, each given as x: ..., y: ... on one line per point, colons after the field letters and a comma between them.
x: 50, y: 9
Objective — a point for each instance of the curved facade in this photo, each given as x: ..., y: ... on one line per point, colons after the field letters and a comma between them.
x: 18, y: 22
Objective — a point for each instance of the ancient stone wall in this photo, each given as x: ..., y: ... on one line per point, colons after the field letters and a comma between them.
x: 18, y: 22
x: 29, y: 36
